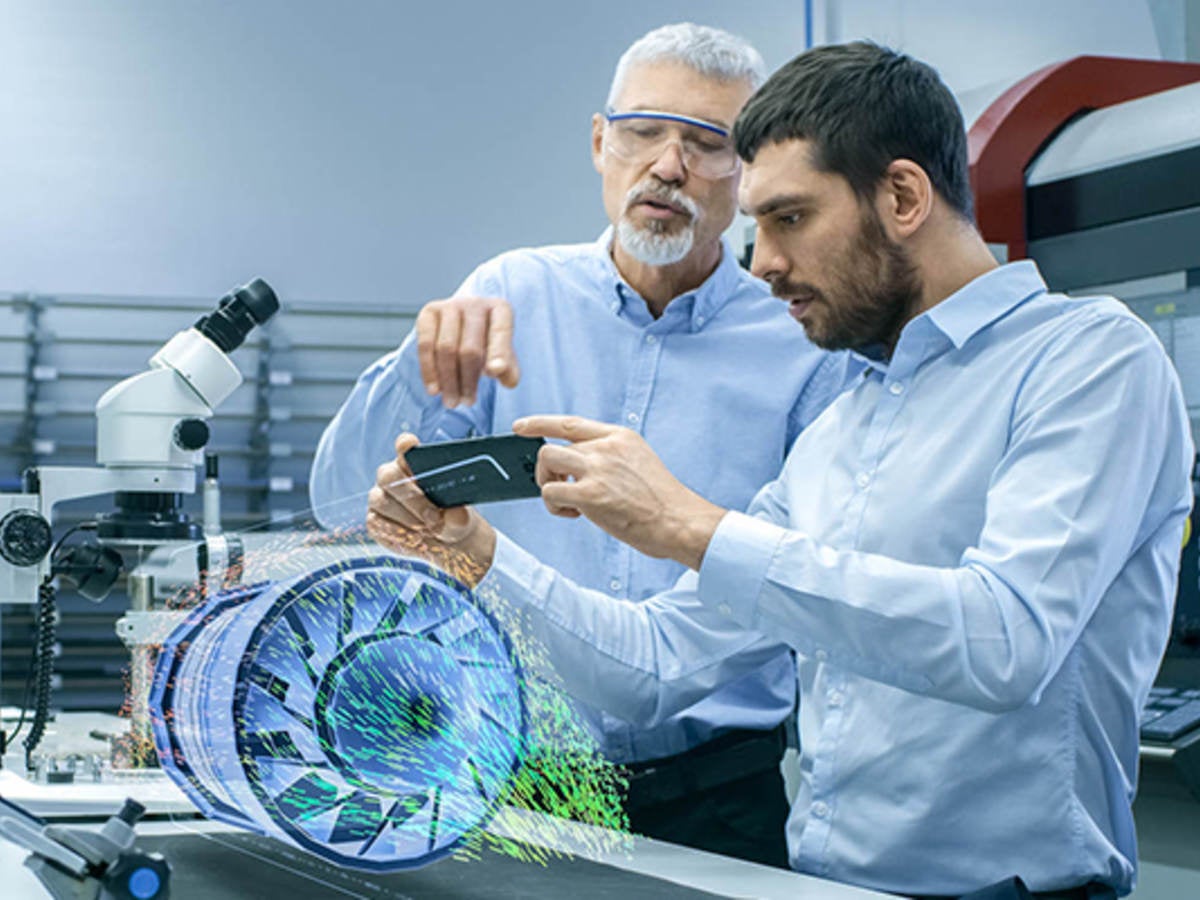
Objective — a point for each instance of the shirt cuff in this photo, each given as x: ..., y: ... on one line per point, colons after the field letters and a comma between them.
x: 515, y: 575
x: 735, y: 566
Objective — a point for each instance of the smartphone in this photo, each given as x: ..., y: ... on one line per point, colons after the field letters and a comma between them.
x: 477, y: 470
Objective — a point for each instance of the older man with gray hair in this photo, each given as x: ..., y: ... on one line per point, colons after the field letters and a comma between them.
x: 653, y: 327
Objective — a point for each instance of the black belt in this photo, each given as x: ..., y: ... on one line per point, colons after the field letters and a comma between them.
x: 1014, y: 889
x: 732, y: 755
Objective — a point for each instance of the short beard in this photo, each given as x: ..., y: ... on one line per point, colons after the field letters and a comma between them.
x: 875, y: 290
x: 654, y: 248
x: 653, y: 245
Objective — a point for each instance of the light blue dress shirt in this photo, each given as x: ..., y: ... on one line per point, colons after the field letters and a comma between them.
x: 974, y: 554
x: 720, y: 385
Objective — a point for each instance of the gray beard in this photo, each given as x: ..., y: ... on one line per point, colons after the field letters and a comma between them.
x: 655, y: 248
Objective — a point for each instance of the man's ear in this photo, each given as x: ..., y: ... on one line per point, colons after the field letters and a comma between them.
x: 904, y: 199
x: 598, y: 123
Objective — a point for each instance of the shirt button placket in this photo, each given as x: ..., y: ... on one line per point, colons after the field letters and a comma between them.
x: 637, y: 396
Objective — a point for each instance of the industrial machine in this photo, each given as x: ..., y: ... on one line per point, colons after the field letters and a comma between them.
x: 1088, y: 167
x: 151, y: 429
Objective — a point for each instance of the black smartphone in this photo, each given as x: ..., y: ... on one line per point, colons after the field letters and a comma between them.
x: 476, y: 470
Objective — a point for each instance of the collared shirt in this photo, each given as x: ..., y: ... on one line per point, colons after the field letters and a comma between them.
x: 720, y: 385
x: 974, y: 555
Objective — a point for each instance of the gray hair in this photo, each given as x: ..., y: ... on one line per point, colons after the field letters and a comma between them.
x: 709, y: 51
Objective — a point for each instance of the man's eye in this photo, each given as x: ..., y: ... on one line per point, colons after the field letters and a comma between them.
x: 646, y: 132
x: 789, y: 219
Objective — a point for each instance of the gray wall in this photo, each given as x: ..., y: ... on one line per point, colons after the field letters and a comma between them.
x: 374, y: 151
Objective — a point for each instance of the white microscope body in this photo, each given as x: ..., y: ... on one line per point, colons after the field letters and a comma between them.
x: 151, y: 430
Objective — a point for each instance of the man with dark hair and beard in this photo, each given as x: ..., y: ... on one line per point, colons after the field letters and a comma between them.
x: 651, y: 327
x: 973, y: 552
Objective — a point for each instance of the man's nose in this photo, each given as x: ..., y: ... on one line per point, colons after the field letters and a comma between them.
x: 669, y: 165
x: 766, y: 262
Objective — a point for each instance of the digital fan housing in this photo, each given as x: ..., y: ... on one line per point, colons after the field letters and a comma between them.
x: 370, y: 712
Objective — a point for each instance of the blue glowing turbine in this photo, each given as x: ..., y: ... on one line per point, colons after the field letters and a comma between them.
x: 369, y: 712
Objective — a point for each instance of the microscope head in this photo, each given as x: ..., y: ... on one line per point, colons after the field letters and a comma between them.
x: 158, y: 419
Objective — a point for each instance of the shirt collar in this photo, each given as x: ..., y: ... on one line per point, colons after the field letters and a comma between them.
x: 985, y: 300
x: 698, y: 306
x: 962, y: 315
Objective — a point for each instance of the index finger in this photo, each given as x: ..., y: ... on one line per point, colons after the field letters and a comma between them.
x: 567, y: 428
x: 427, y: 329
x: 501, y: 358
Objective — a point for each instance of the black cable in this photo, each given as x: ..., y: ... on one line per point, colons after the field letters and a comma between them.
x: 43, y: 668
x: 42, y: 672
x: 82, y: 526
x: 9, y: 738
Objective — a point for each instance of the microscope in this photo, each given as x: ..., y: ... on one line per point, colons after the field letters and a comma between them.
x: 151, y: 431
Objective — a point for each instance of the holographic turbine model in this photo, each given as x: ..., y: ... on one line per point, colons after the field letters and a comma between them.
x: 369, y: 712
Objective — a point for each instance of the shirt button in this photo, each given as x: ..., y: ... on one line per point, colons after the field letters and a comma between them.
x: 651, y: 339
x: 699, y: 320
x: 821, y: 656
x: 615, y: 584
x: 836, y: 698
x: 897, y: 388
x: 724, y: 609
x: 633, y: 418
x: 862, y: 479
x: 820, y: 809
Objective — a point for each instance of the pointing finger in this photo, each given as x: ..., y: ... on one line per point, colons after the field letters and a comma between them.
x: 501, y: 358
x: 446, y: 352
x: 567, y: 428
x: 427, y: 328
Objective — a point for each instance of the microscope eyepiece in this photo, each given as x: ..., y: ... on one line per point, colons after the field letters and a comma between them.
x: 237, y: 314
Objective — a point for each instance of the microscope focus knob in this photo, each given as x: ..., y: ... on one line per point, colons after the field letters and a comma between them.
x: 24, y: 537
x: 138, y: 876
x: 191, y: 434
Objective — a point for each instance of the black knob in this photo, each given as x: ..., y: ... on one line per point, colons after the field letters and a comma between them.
x: 191, y: 434
x: 137, y: 875
x: 25, y: 537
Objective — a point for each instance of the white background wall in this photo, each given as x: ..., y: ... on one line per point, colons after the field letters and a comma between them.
x: 375, y: 150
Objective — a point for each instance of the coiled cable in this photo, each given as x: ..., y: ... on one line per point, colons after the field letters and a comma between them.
x: 41, y: 670
x: 42, y: 674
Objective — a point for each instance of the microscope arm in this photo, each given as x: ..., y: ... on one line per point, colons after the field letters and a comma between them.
x: 83, y: 864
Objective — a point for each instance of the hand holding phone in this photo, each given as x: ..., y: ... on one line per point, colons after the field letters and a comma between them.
x: 476, y: 470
